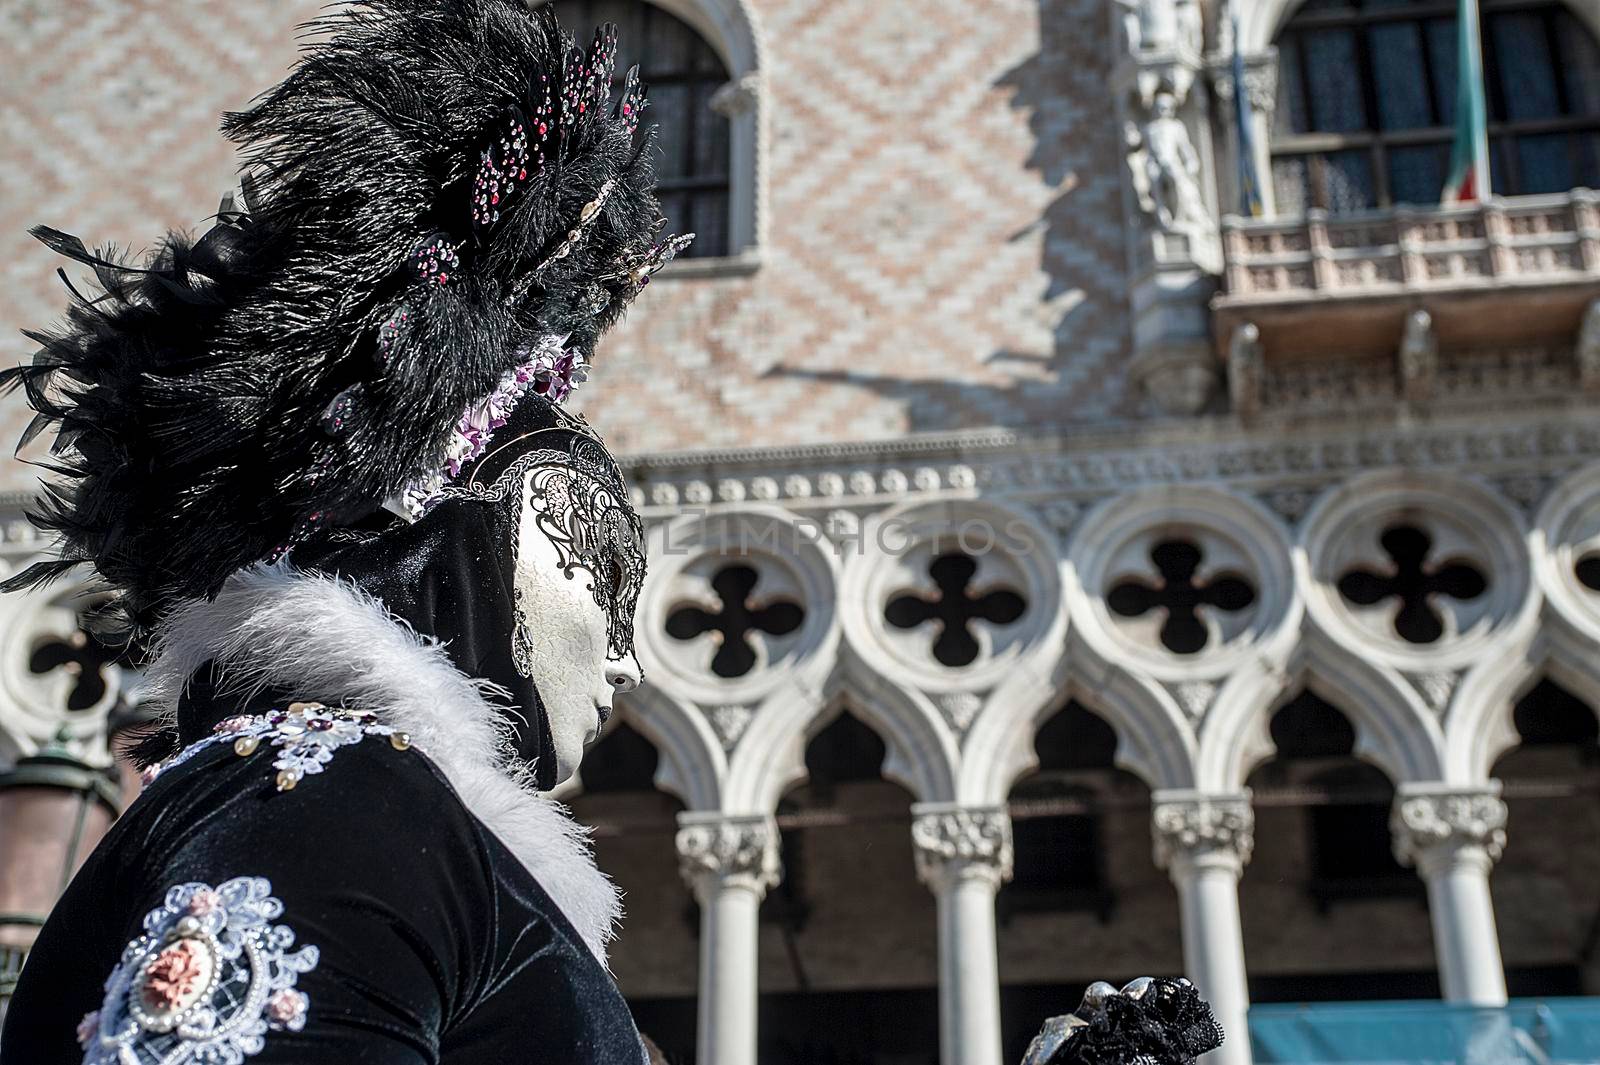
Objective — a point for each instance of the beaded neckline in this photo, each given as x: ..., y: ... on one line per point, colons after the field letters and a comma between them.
x: 304, y: 734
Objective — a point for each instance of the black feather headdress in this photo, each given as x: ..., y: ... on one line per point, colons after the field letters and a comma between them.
x: 440, y: 201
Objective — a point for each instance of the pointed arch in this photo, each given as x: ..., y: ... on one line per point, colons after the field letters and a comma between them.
x: 922, y: 753
x: 1480, y: 727
x: 693, y: 766
x: 1394, y: 730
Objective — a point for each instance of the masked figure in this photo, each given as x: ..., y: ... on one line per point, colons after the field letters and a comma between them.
x: 319, y: 459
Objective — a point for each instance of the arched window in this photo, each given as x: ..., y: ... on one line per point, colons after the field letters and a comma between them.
x: 682, y: 72
x: 1366, y: 101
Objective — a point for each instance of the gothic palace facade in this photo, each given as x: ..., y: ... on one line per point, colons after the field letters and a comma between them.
x: 1055, y: 576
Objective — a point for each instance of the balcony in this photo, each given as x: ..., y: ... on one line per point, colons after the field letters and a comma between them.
x: 1518, y: 271
x: 1551, y: 1031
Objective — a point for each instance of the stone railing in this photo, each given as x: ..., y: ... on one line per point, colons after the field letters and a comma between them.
x: 1531, y: 239
x: 1415, y: 286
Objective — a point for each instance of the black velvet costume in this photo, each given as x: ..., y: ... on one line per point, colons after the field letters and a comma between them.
x: 436, y: 944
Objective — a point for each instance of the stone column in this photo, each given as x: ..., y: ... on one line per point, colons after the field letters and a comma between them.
x: 1453, y: 835
x: 964, y: 854
x: 1204, y: 841
x: 729, y: 862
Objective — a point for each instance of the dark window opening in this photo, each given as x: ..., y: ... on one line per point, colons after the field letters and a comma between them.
x: 623, y: 760
x: 1058, y: 820
x: 1588, y: 572
x: 741, y: 615
x: 1347, y: 805
x: 682, y: 73
x: 1366, y: 102
x: 1549, y: 715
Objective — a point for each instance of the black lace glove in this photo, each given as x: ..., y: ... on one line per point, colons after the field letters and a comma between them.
x: 1148, y: 1022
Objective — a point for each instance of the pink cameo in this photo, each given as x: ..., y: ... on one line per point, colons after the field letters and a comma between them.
x: 175, y: 977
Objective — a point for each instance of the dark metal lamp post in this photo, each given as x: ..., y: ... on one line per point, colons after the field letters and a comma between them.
x: 53, y: 810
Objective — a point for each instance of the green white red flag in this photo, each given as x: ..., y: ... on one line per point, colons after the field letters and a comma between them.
x: 1469, y: 156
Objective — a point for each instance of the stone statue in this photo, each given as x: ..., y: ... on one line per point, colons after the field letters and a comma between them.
x: 1162, y: 25
x: 1166, y: 168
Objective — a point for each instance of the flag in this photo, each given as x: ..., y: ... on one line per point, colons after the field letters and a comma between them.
x: 1469, y: 156
x: 1249, y: 183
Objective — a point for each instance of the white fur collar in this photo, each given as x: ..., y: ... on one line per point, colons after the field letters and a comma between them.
x: 273, y: 627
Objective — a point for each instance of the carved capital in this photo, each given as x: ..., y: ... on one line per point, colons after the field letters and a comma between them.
x: 1189, y: 825
x: 958, y: 842
x: 737, y: 97
x: 729, y: 851
x: 1260, y: 80
x: 1439, y: 823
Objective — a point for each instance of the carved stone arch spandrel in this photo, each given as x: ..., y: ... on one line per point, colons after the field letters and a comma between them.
x: 1565, y: 545
x: 1155, y: 741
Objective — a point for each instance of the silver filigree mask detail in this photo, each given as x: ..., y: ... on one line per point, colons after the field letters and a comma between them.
x: 582, y: 508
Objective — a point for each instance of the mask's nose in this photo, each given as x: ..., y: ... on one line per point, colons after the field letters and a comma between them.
x: 623, y: 674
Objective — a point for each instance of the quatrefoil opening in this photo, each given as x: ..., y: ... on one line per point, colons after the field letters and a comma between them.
x: 1182, y: 593
x: 954, y: 606
x: 1415, y: 581
x: 741, y: 614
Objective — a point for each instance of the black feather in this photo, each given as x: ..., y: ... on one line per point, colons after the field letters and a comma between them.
x: 192, y: 387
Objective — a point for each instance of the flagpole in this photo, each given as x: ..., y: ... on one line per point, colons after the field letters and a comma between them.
x: 1480, y: 139
x: 1249, y: 179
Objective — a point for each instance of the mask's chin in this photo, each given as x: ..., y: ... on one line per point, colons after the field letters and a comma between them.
x: 569, y: 747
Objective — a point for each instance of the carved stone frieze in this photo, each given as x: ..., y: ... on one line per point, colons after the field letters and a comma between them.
x: 1447, y: 820
x: 739, y: 851
x: 955, y: 842
x: 1077, y: 473
x: 1189, y: 825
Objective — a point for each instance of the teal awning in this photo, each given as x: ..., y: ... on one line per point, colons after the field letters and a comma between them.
x: 1554, y: 1031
